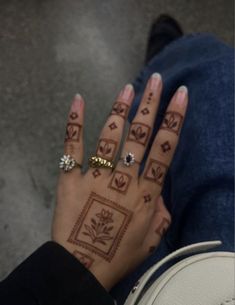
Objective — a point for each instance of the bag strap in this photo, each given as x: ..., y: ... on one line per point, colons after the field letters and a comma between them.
x: 193, y: 248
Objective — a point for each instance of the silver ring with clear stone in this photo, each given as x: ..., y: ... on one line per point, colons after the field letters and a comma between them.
x: 128, y: 159
x: 67, y: 163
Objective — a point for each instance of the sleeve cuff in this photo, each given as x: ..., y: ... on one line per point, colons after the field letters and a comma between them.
x: 54, y: 276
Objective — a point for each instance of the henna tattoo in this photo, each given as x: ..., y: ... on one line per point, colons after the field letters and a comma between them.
x: 85, y: 259
x: 149, y: 97
x: 147, y: 198
x: 120, y: 109
x: 73, y: 115
x: 96, y: 173
x: 113, y: 126
x: 172, y: 122
x: 156, y: 172
x: 145, y: 111
x: 72, y: 132
x: 120, y: 182
x: 101, y: 226
x: 106, y: 149
x: 152, y: 249
x: 139, y: 133
x: 165, y: 146
x: 163, y: 226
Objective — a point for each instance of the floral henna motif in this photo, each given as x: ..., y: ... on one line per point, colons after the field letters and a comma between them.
x: 172, y: 122
x: 106, y: 149
x: 101, y: 226
x: 147, y: 198
x: 72, y: 132
x: 73, y: 115
x: 139, y: 133
x: 145, y: 111
x: 163, y: 226
x: 156, y: 172
x: 120, y: 182
x: 120, y: 109
x: 165, y: 146
x: 86, y: 260
x: 98, y: 230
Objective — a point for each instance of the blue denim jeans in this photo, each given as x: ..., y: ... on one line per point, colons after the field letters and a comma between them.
x: 198, y: 190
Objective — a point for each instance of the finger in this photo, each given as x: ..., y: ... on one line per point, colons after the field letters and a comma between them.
x: 165, y: 143
x: 160, y: 222
x: 141, y: 126
x: 73, y: 143
x: 111, y: 134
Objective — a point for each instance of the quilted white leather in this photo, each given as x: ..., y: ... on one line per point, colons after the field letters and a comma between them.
x: 203, y: 279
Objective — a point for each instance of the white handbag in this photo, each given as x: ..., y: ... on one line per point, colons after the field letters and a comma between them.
x: 202, y: 279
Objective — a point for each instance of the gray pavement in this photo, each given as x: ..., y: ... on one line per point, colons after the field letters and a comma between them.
x: 50, y: 50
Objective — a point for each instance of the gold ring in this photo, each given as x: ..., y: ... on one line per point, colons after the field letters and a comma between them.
x: 95, y: 161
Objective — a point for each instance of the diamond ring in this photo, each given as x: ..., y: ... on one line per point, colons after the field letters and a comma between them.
x: 67, y: 163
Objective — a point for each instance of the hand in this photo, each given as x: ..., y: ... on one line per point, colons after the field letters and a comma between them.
x: 111, y: 220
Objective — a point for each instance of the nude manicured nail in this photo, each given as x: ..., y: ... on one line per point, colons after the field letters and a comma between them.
x: 126, y: 93
x: 155, y: 81
x: 77, y: 102
x: 181, y: 96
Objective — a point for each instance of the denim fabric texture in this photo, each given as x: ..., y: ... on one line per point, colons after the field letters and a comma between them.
x: 199, y: 186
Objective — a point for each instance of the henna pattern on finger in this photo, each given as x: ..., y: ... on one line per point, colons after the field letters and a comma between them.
x: 149, y: 99
x: 162, y: 227
x: 101, y: 226
x: 145, y: 111
x: 96, y: 173
x: 73, y: 115
x: 172, y: 122
x: 147, y: 198
x: 120, y: 182
x: 73, y: 132
x: 85, y: 259
x: 139, y: 133
x: 113, y: 126
x: 156, y: 171
x: 106, y: 149
x: 120, y: 109
x: 165, y: 146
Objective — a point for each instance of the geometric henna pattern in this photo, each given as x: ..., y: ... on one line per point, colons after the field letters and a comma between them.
x: 101, y: 226
x: 96, y: 173
x: 139, y: 133
x: 156, y: 171
x: 163, y: 226
x: 73, y: 115
x: 165, y: 146
x: 120, y: 109
x: 172, y: 121
x: 145, y: 111
x: 113, y: 126
x: 106, y: 149
x: 120, y: 182
x: 147, y: 198
x: 83, y: 258
x: 72, y: 132
x: 149, y: 97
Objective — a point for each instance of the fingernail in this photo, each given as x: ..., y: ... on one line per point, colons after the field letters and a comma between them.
x: 181, y: 96
x: 126, y: 93
x: 155, y: 81
x: 77, y: 102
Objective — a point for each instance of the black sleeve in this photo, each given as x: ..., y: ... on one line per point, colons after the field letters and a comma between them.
x: 52, y: 276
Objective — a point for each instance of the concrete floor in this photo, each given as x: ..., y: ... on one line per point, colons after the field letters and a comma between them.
x: 50, y: 50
